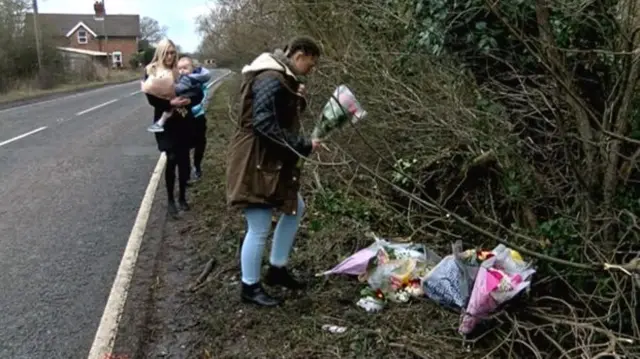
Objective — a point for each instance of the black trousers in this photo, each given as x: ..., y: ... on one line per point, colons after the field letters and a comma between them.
x: 199, y: 141
x: 177, y: 159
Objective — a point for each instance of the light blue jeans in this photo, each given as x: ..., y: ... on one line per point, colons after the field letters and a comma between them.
x: 259, y: 226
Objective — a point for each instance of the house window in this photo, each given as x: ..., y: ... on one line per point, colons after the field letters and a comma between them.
x: 82, y: 37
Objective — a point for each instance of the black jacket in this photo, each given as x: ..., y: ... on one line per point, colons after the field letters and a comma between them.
x: 178, y: 130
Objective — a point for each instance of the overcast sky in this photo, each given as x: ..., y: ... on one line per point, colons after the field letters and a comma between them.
x: 179, y: 16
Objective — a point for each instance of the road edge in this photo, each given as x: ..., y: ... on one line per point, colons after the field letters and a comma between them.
x: 107, y: 329
x: 107, y: 332
x: 52, y: 96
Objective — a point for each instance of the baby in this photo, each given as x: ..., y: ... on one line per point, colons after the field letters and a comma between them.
x: 160, y: 84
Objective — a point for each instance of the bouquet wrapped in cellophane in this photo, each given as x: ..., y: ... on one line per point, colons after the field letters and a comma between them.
x: 159, y: 83
x: 341, y: 108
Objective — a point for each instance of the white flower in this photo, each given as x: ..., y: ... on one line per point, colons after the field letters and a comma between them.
x: 399, y: 296
x: 370, y: 304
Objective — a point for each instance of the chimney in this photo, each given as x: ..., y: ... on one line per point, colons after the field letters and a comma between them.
x: 98, y: 8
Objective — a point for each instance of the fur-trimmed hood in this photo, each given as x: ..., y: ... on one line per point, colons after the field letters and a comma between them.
x: 268, y: 61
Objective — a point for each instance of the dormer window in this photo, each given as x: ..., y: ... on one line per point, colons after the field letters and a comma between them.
x: 82, y: 36
x: 82, y: 32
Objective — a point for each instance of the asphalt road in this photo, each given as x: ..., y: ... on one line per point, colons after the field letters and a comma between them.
x: 73, y: 172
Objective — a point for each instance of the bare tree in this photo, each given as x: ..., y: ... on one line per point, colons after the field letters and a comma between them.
x: 151, y: 31
x: 507, y: 121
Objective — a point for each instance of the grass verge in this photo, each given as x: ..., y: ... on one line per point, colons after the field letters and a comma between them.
x: 24, y: 94
x: 327, y: 235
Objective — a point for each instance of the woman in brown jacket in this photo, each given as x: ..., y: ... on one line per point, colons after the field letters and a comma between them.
x: 263, y: 172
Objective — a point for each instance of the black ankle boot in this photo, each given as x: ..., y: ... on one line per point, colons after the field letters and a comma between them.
x: 172, y: 209
x: 184, y: 206
x: 280, y: 276
x: 255, y: 294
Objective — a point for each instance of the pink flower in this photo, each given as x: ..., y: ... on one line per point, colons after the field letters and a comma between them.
x: 348, y: 102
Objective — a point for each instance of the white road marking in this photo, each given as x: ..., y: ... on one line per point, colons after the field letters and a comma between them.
x: 135, y: 93
x: 83, y: 93
x: 106, y: 335
x: 22, y: 136
x: 96, y: 107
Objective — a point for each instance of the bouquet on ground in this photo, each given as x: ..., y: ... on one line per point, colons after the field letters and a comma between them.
x: 391, y: 270
x: 341, y: 108
x: 451, y: 281
x: 500, y: 278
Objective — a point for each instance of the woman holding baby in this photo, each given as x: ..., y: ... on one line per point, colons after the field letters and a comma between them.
x: 175, y: 112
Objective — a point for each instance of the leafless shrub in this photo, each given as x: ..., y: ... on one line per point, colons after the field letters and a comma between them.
x: 521, y: 155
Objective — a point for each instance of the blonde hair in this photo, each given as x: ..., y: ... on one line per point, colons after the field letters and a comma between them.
x: 162, y: 48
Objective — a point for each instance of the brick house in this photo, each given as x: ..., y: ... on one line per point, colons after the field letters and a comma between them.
x: 87, y: 32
